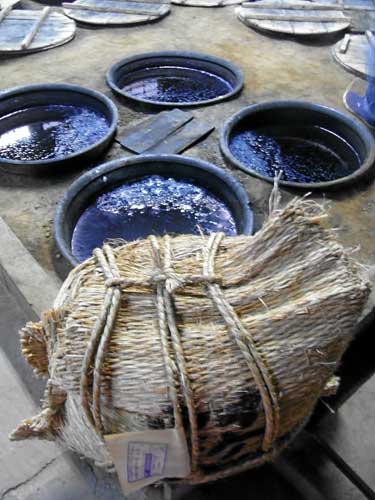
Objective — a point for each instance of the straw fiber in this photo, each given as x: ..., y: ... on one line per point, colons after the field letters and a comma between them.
x: 233, y: 338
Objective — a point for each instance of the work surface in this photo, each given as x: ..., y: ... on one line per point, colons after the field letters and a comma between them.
x: 274, y: 68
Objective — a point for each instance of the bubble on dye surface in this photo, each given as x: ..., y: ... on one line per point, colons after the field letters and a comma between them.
x: 302, y: 159
x: 186, y: 85
x: 153, y: 205
x: 47, y: 132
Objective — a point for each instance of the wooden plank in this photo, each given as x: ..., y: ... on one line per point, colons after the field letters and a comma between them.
x: 308, y: 6
x: 4, y: 13
x: 359, y: 5
x: 46, y: 35
x: 324, y: 26
x: 305, y: 25
x: 296, y: 6
x: 298, y: 29
x: 301, y: 27
x: 24, y: 31
x: 30, y: 36
x: 355, y: 57
x: 182, y: 138
x: 112, y: 5
x: 151, y: 2
x: 151, y: 131
x: 33, y: 15
x: 166, y: 133
x: 112, y: 9
x: 344, y: 44
x: 100, y: 17
x: 206, y: 3
x: 279, y: 16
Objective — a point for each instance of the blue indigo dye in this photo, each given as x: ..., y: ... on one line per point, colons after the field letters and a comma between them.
x: 175, y: 84
x: 304, y: 154
x: 47, y: 132
x: 152, y: 205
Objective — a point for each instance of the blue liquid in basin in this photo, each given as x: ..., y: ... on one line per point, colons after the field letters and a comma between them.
x: 175, y: 84
x: 47, y: 132
x: 152, y: 205
x: 304, y: 154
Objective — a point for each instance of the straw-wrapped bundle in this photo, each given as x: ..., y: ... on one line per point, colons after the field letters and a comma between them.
x: 235, y: 338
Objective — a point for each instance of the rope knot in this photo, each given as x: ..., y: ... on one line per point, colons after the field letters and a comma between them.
x: 170, y: 280
x: 115, y: 282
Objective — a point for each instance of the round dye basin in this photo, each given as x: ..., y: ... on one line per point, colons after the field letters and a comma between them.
x: 49, y: 126
x: 316, y: 147
x: 131, y: 198
x: 173, y: 78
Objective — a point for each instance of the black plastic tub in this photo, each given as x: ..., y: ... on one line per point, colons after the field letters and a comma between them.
x: 46, y: 128
x: 175, y: 79
x: 102, y: 179
x: 315, y: 146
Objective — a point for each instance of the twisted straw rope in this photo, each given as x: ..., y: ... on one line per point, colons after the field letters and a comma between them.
x: 172, y: 281
x: 99, y: 340
x: 179, y: 353
x: 165, y: 281
x: 104, y: 341
x: 246, y: 344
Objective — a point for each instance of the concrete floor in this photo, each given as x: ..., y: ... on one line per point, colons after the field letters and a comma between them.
x: 274, y: 68
x: 39, y: 470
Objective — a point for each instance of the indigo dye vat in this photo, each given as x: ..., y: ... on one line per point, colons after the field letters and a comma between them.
x: 46, y: 132
x: 46, y: 127
x: 315, y: 147
x: 304, y: 154
x: 175, y: 78
x: 152, y: 205
x: 175, y: 84
x: 135, y: 197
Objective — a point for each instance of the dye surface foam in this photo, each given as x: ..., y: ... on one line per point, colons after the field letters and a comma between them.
x: 152, y: 205
x: 304, y: 154
x: 175, y: 84
x: 47, y: 132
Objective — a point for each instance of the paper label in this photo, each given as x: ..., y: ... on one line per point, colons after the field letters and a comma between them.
x: 143, y: 458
